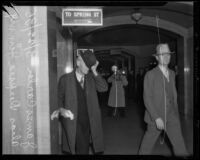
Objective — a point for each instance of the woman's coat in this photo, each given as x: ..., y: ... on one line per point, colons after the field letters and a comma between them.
x: 117, y: 95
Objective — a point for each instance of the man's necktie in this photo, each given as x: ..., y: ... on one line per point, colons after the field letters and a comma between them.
x: 167, y: 75
x: 82, y: 81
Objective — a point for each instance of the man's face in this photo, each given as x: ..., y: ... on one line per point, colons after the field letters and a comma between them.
x: 82, y: 66
x: 114, y: 68
x: 163, y: 59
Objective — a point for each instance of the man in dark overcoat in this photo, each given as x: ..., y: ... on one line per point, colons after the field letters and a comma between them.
x: 79, y: 109
x: 160, y: 99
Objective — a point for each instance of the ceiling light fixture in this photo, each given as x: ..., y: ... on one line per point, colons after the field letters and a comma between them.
x: 136, y: 15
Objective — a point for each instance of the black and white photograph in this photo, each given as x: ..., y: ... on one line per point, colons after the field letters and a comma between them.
x: 100, y: 78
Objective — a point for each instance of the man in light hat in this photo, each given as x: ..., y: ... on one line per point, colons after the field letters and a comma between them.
x: 79, y: 109
x: 160, y: 99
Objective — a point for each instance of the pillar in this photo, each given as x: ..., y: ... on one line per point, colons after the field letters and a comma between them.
x: 26, y: 127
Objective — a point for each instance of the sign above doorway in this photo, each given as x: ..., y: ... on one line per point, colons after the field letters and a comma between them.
x: 82, y: 17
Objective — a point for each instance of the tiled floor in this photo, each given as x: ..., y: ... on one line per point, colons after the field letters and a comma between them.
x: 123, y: 135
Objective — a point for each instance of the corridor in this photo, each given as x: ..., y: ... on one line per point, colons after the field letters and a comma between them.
x: 41, y: 44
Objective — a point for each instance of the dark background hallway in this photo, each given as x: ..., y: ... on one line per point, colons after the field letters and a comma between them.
x: 130, y: 43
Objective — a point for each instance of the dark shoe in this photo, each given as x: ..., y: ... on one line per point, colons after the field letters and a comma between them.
x: 98, y: 153
x: 123, y: 115
x: 66, y: 153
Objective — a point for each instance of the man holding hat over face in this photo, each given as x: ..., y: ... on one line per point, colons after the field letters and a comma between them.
x: 79, y: 109
x: 160, y: 99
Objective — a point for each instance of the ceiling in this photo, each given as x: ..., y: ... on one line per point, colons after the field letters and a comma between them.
x: 180, y: 14
x: 130, y: 35
x: 125, y: 35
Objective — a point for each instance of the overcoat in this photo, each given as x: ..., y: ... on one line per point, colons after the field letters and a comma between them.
x: 117, y: 95
x: 67, y: 98
x: 154, y: 96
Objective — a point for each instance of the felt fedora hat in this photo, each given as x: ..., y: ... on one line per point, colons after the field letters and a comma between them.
x: 88, y: 57
x: 162, y: 48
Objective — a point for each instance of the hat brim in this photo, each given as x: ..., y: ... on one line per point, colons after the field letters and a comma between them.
x: 156, y: 54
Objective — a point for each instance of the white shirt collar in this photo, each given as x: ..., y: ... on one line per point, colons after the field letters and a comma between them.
x: 164, y: 71
x: 79, y: 76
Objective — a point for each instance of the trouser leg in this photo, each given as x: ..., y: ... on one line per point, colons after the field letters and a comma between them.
x: 82, y: 140
x: 114, y: 112
x: 149, y: 139
x: 122, y: 111
x: 176, y: 138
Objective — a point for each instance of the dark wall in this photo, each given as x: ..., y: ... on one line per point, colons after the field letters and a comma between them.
x: 51, y: 17
x: 189, y: 77
x: 180, y: 75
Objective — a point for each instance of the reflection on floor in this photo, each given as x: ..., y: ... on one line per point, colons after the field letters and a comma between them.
x: 123, y: 136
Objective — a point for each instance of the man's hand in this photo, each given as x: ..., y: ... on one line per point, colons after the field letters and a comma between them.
x: 94, y: 68
x: 159, y: 124
x: 66, y: 113
x: 55, y: 114
x: 63, y: 112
